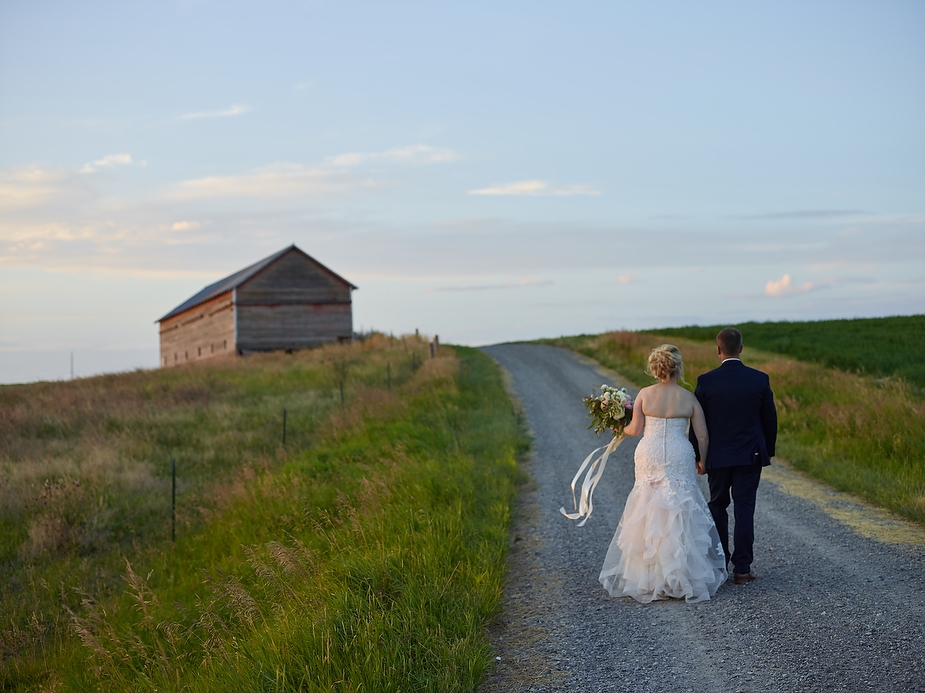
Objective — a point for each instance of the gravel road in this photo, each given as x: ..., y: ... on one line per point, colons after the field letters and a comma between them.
x: 839, y: 604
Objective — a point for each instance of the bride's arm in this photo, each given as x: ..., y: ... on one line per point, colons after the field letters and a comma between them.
x: 699, y: 424
x: 638, y: 422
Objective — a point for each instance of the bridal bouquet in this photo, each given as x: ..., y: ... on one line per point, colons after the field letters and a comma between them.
x: 611, y: 410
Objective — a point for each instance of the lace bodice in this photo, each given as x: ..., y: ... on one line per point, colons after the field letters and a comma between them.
x: 665, y: 452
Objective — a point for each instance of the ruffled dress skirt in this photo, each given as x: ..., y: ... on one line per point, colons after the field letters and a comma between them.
x: 666, y: 545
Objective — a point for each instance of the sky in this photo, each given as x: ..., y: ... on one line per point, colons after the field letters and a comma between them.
x: 482, y: 171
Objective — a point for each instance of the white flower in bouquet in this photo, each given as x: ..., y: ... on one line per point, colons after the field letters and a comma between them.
x: 611, y: 410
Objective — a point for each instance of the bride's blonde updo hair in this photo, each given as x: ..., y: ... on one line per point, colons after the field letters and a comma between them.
x: 665, y: 361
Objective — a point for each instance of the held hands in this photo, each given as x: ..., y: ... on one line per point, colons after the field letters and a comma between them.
x: 701, y: 468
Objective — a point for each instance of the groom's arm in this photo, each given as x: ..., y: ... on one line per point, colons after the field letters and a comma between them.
x: 769, y: 420
x: 690, y: 431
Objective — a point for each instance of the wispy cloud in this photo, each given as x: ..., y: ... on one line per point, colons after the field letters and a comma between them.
x: 523, y: 283
x: 107, y: 161
x: 536, y: 187
x: 785, y: 287
x: 235, y: 109
x: 290, y: 180
x: 185, y: 226
x: 413, y: 154
x: 188, y: 232
x: 32, y: 187
x: 276, y: 181
x: 37, y: 235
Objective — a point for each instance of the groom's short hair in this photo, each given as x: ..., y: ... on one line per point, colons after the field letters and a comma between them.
x: 729, y: 341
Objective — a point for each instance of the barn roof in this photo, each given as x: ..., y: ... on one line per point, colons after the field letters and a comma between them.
x: 235, y: 280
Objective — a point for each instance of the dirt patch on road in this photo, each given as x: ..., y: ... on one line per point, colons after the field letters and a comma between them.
x: 866, y: 520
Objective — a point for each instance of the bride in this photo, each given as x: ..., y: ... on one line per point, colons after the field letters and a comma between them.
x: 666, y: 545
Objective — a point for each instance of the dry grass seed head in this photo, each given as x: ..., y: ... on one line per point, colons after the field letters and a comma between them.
x: 143, y: 595
x: 15, y: 640
x: 323, y: 524
x: 306, y: 556
x: 258, y: 565
x: 173, y: 632
x: 229, y: 591
x: 215, y: 631
x: 286, y: 559
x: 87, y: 629
x: 345, y: 510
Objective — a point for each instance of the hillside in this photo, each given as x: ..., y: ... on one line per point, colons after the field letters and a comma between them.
x: 364, y: 550
x: 882, y: 347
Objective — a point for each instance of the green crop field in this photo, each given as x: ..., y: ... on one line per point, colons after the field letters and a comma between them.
x: 856, y: 432
x: 882, y: 347
x: 367, y: 553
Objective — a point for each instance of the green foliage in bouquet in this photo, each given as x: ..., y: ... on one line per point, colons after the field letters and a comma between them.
x: 611, y: 411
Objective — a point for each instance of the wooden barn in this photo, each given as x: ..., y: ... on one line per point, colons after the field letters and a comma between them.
x: 286, y: 301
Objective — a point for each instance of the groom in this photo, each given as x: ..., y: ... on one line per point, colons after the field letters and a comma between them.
x: 742, y: 422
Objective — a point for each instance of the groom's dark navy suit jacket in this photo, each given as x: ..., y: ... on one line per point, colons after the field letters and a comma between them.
x: 740, y: 414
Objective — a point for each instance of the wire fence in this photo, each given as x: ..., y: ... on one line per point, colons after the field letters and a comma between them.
x: 66, y: 516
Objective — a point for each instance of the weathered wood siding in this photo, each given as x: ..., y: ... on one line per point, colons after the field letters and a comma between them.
x: 293, y: 278
x: 292, y: 326
x: 201, y: 332
x: 291, y: 304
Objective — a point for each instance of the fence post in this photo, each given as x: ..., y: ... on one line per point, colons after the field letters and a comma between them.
x: 432, y: 350
x: 284, y: 425
x: 388, y: 370
x: 342, y: 392
x: 173, y: 501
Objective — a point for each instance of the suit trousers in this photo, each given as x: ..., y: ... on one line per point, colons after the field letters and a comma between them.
x: 741, y: 483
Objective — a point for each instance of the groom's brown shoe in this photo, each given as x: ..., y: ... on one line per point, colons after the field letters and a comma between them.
x: 742, y: 578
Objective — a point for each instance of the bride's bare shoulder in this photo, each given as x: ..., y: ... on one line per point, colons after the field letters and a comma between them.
x: 690, y: 399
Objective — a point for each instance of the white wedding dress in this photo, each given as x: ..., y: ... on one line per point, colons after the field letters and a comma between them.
x: 666, y: 545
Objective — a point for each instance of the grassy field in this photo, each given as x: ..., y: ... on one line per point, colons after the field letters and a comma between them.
x: 365, y: 554
x: 368, y: 552
x: 882, y: 347
x: 860, y: 434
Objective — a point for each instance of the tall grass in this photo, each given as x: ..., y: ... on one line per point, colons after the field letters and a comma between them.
x: 86, y: 463
x: 859, y: 434
x: 367, y: 558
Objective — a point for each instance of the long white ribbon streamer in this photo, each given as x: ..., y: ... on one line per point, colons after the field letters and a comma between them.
x: 595, y: 471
